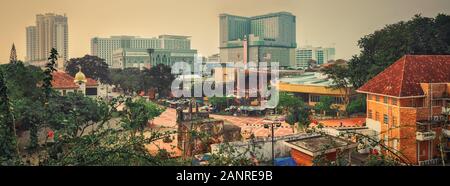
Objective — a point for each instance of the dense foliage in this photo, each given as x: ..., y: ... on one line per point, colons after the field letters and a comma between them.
x: 297, y: 112
x: 92, y: 66
x: 419, y: 36
x: 8, y: 141
x: 85, y: 131
x: 220, y: 103
x: 133, y: 80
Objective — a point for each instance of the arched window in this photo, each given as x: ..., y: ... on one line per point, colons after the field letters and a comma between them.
x: 164, y: 59
x: 157, y: 59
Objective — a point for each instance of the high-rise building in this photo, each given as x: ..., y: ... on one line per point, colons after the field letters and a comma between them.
x: 324, y: 55
x: 303, y: 56
x: 105, y: 47
x: 321, y: 55
x: 270, y: 37
x: 32, y: 43
x: 51, y: 31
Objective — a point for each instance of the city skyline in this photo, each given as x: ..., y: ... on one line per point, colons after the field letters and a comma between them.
x: 314, y: 20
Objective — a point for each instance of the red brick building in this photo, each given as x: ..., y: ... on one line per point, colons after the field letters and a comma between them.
x: 405, y: 105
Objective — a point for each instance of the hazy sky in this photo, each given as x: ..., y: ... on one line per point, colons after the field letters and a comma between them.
x: 319, y: 22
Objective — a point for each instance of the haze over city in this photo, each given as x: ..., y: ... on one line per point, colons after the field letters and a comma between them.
x: 319, y: 22
x: 280, y: 83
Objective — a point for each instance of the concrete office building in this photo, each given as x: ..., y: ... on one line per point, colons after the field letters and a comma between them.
x: 105, y: 47
x: 213, y: 58
x: 51, y: 31
x: 145, y: 58
x: 269, y: 37
x: 321, y: 55
x: 311, y: 86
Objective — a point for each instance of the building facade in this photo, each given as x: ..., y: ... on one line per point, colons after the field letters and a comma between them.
x: 105, y: 47
x: 51, y: 31
x: 309, y: 151
x: 269, y: 37
x: 321, y: 55
x: 65, y: 84
x: 213, y: 58
x: 145, y: 58
x: 311, y: 86
x: 406, y: 110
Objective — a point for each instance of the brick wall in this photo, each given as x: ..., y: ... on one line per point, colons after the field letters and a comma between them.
x: 402, y: 123
x: 408, y: 143
x: 303, y: 159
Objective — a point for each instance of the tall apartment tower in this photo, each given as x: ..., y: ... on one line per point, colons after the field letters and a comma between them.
x: 50, y: 31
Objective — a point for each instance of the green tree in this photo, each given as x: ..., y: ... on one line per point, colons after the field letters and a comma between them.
x: 288, y: 102
x: 92, y: 66
x: 304, y: 118
x: 23, y: 92
x: 48, y: 77
x: 132, y: 80
x: 28, y: 114
x: 229, y: 155
x: 138, y: 113
x: 8, y: 139
x: 419, y: 36
x: 295, y: 110
x: 159, y: 77
x: 74, y: 113
x: 357, y: 105
x: 220, y: 102
x: 122, y: 145
x: 381, y: 160
x: 22, y: 80
x: 340, y: 77
x: 324, y: 105
x: 128, y: 79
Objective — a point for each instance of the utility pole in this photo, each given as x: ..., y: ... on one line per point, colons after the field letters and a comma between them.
x: 272, y: 126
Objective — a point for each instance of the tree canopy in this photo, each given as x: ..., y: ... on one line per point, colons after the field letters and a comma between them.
x: 159, y: 77
x: 92, y: 66
x: 419, y: 36
x: 132, y: 80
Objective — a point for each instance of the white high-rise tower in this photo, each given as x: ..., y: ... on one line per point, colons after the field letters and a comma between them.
x: 51, y: 31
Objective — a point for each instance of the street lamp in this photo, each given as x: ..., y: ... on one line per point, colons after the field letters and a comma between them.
x: 272, y: 126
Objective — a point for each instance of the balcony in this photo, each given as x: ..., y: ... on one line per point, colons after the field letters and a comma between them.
x: 425, y: 136
x: 445, y: 110
x: 429, y: 162
x: 446, y: 132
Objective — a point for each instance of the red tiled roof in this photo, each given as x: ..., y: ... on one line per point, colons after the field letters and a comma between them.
x: 62, y: 80
x: 91, y: 82
x: 403, y: 78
